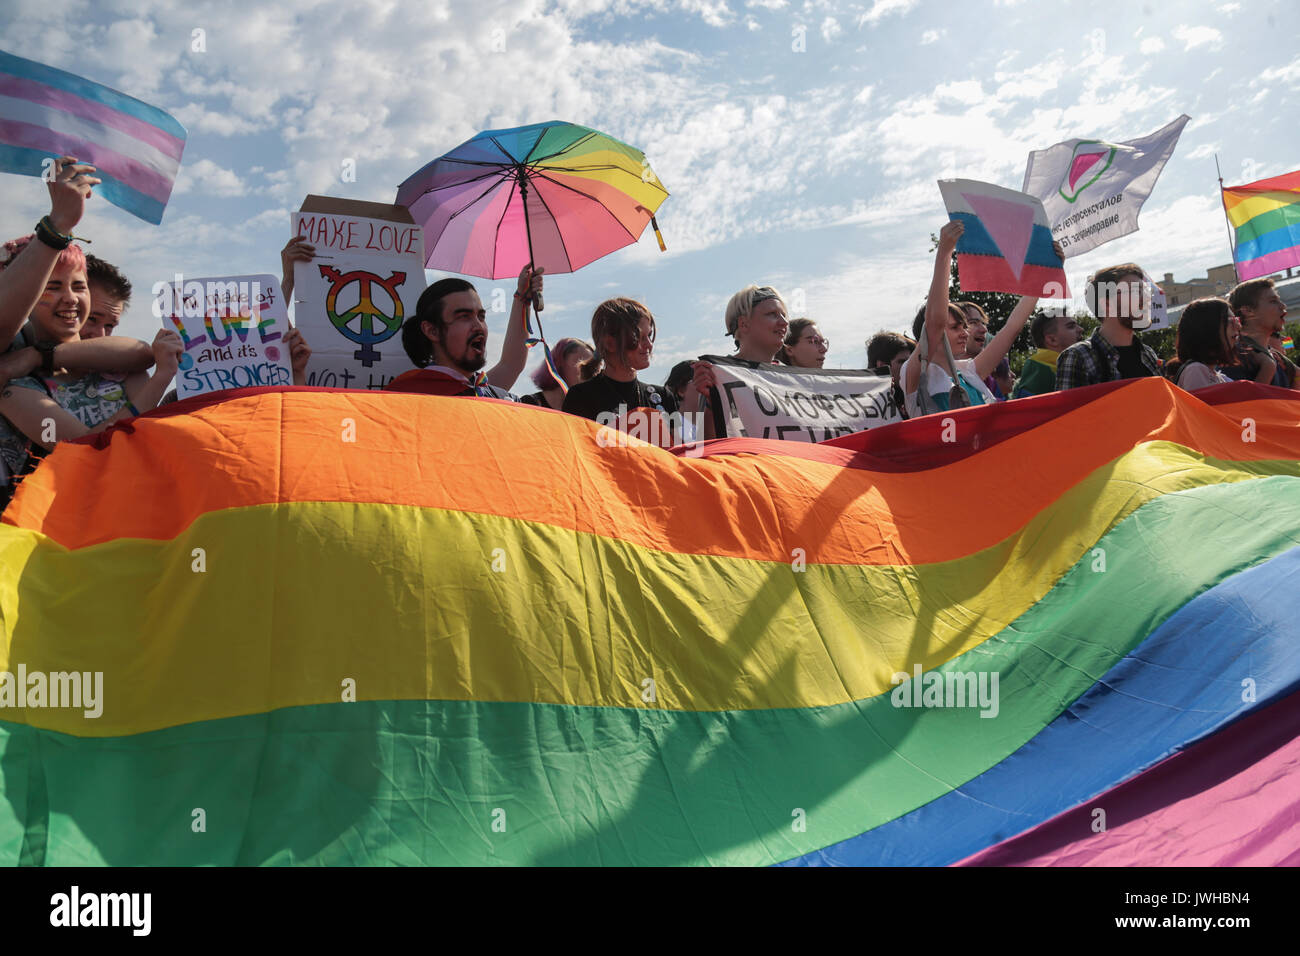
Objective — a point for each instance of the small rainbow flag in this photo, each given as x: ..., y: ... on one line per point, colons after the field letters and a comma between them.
x: 136, y: 148
x: 1266, y: 217
x: 1288, y: 343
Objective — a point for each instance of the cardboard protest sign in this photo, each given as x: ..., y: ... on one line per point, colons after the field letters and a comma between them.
x: 1093, y: 190
x: 351, y: 300
x: 798, y: 404
x: 1007, y: 245
x: 232, y: 328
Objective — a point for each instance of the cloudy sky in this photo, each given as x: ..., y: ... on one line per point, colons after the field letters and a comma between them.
x: 800, y: 139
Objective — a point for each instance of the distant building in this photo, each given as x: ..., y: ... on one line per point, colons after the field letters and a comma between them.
x: 1219, y: 282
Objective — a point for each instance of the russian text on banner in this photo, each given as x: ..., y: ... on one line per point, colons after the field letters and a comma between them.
x: 798, y: 404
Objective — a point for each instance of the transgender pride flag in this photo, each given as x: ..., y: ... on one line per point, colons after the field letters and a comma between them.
x: 45, y: 112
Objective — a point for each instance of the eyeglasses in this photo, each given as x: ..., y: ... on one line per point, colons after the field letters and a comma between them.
x: 817, y: 340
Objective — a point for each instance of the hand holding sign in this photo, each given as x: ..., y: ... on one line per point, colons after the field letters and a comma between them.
x: 299, y: 355
x: 704, y: 378
x: 167, y: 349
x: 297, y: 249
x: 949, y: 234
x: 1007, y: 245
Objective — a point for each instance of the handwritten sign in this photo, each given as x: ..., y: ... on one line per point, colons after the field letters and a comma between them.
x: 798, y: 404
x: 351, y: 300
x: 232, y: 328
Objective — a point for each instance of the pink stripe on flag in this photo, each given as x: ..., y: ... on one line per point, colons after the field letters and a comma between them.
x: 25, y: 89
x: 126, y: 170
x: 993, y: 274
x: 1230, y: 800
x: 1268, y: 264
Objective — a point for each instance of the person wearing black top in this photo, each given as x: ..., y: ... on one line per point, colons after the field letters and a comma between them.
x: 623, y: 331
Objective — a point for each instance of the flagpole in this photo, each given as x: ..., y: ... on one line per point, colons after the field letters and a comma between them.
x: 1226, y: 220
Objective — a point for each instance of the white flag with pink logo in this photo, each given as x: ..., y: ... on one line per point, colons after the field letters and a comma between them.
x: 1093, y: 190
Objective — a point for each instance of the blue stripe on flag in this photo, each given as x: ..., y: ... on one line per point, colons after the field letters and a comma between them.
x: 79, y: 86
x: 1274, y: 241
x: 976, y: 241
x: 1176, y: 685
x: 27, y: 162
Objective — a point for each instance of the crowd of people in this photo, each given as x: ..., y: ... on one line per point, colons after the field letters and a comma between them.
x: 64, y: 374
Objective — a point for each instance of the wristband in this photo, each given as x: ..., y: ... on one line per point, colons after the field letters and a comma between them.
x: 47, y: 356
x: 47, y: 234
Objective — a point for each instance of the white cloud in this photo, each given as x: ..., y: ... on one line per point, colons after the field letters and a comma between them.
x: 1289, y: 74
x: 831, y: 29
x: 715, y: 13
x: 1031, y: 84
x: 1194, y: 37
x: 1203, y: 151
x: 1152, y: 45
x: 884, y: 8
x: 1228, y: 9
x: 766, y: 4
x: 207, y: 177
x: 962, y: 91
x: 195, y: 117
x: 931, y: 36
x: 863, y: 95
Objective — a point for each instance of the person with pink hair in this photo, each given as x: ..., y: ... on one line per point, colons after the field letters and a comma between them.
x: 53, y: 385
x: 570, y: 357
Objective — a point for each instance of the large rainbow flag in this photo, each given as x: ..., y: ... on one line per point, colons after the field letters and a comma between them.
x: 1266, y: 218
x: 340, y: 627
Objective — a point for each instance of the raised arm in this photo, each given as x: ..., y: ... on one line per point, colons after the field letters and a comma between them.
x: 936, y: 303
x: 514, y: 350
x: 998, y: 347
x: 23, y: 280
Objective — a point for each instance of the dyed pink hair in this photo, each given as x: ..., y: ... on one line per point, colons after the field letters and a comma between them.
x: 70, y: 258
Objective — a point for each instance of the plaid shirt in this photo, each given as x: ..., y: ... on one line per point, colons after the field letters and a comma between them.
x: 1079, y: 365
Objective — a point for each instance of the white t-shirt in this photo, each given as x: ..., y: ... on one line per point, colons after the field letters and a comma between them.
x: 1196, y: 375
x: 940, y: 383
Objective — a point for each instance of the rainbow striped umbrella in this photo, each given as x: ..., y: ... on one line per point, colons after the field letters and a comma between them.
x: 554, y: 194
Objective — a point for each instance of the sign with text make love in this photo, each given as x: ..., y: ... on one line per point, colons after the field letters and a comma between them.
x: 351, y: 299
